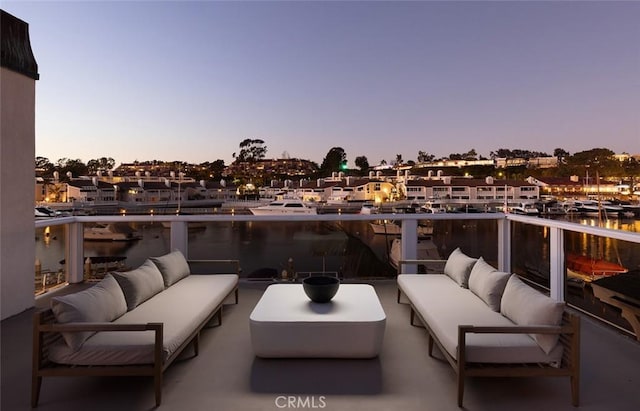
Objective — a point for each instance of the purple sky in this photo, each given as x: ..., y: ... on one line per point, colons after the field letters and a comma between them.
x: 190, y: 80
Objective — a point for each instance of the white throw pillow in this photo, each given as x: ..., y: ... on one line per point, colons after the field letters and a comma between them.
x: 104, y: 302
x: 459, y: 266
x: 525, y: 306
x: 140, y: 284
x: 488, y: 283
x: 172, y: 266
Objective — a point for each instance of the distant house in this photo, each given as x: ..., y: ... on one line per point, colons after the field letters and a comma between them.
x: 469, y: 189
x: 574, y: 186
x: 90, y: 191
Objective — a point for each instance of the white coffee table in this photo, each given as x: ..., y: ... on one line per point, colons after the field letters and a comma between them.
x: 286, y: 324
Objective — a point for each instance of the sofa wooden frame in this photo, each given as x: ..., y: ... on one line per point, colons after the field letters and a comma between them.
x: 569, y: 337
x: 46, y: 332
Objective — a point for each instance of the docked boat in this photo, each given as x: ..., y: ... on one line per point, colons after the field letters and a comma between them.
x: 369, y: 208
x: 111, y: 232
x: 525, y: 209
x: 45, y: 212
x: 426, y: 250
x: 589, y: 269
x: 280, y: 207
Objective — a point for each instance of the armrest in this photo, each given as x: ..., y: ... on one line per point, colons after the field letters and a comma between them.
x: 515, y: 329
x: 87, y: 326
x: 233, y: 262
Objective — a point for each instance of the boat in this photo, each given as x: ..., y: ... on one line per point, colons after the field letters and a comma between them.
x: 110, y: 232
x: 426, y: 250
x: 287, y: 207
x: 524, y: 209
x: 589, y: 269
x: 593, y: 208
x: 45, y: 212
x: 432, y: 208
x: 369, y: 208
x: 387, y: 227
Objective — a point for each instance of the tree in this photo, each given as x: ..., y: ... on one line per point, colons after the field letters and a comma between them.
x: 362, y: 163
x: 251, y: 150
x: 470, y: 155
x: 424, y: 157
x: 44, y: 167
x: 100, y: 164
x: 335, y: 160
x: 75, y: 167
x: 399, y: 160
x: 561, y: 154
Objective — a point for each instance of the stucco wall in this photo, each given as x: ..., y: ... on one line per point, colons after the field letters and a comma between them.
x: 17, y: 152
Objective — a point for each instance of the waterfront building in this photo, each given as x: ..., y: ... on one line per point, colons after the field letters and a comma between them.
x: 469, y: 189
x: 575, y: 187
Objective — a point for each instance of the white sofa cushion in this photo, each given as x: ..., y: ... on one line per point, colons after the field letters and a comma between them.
x: 172, y: 266
x: 525, y: 306
x: 140, y: 284
x: 488, y: 283
x: 459, y: 266
x: 104, y: 302
x: 180, y: 308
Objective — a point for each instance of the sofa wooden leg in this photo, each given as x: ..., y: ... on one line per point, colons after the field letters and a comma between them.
x: 575, y: 391
x: 158, y: 388
x: 460, y: 389
x: 36, y: 383
x: 236, y: 295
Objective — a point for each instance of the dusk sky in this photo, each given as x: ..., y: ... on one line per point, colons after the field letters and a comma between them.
x: 190, y: 80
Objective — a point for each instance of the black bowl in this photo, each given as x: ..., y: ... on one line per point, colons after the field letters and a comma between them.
x: 320, y: 288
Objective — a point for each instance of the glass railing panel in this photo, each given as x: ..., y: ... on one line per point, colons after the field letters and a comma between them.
x: 121, y: 246
x: 49, y: 272
x: 603, y: 277
x: 530, y: 252
x: 265, y: 249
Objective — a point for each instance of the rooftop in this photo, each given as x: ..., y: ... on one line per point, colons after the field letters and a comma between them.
x: 227, y: 376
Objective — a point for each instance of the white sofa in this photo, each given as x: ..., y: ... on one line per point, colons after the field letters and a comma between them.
x: 490, y: 323
x: 130, y: 323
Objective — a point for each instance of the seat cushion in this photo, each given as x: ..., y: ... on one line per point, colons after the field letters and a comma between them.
x: 459, y: 266
x: 181, y: 308
x: 172, y: 266
x: 140, y: 284
x: 488, y: 283
x: 444, y: 305
x: 104, y: 302
x: 525, y: 306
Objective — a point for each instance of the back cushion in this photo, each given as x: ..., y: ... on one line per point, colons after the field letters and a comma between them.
x: 140, y: 284
x: 458, y: 267
x: 172, y: 266
x: 104, y: 302
x: 525, y: 306
x: 488, y: 283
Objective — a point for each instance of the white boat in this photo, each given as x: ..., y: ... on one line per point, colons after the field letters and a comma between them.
x: 110, y: 232
x: 426, y: 250
x: 369, y: 208
x: 290, y: 207
x: 433, y: 208
x: 525, y: 209
x: 387, y: 227
x: 45, y: 212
